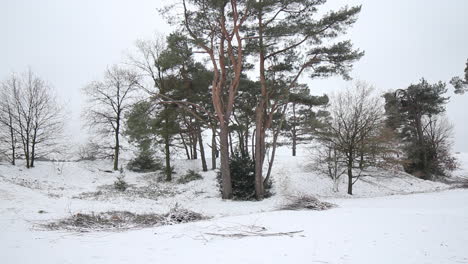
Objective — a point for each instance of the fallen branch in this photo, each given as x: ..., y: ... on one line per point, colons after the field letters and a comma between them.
x: 251, y: 234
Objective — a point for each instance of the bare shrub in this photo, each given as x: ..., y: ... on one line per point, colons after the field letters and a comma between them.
x: 307, y: 202
x: 122, y: 220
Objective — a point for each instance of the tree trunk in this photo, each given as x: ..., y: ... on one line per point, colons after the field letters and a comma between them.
x: 350, y: 177
x: 167, y: 157
x: 241, y: 142
x: 26, y: 152
x: 246, y: 144
x: 275, y: 141
x: 12, y: 138
x: 253, y: 143
x: 202, y: 150
x: 293, y: 131
x: 33, y: 147
x: 33, y: 154
x: 259, y: 151
x: 190, y: 144
x: 273, y: 153
x: 185, y: 145
x: 167, y: 150
x: 195, y: 141
x: 213, y: 149
x: 225, y: 172
x: 116, y: 148
x: 260, y: 117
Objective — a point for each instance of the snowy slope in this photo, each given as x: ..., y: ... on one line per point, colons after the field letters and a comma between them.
x: 418, y: 228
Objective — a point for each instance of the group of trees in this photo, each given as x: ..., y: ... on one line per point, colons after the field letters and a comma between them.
x: 232, y: 70
x: 31, y: 120
x: 408, y: 130
x: 276, y: 41
x: 416, y: 115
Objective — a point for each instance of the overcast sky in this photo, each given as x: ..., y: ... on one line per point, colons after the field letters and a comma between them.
x: 70, y: 43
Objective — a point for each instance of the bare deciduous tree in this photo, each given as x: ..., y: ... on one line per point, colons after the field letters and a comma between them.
x: 32, y: 115
x: 108, y: 101
x: 356, y: 123
x: 328, y: 160
x: 438, y: 132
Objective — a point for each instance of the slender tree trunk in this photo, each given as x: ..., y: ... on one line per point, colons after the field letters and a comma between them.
x: 213, y: 149
x: 117, y: 146
x: 275, y: 141
x: 195, y: 141
x: 167, y: 152
x: 350, y: 176
x: 241, y: 142
x: 253, y: 143
x: 185, y: 145
x: 225, y: 172
x: 246, y: 144
x: 272, y: 159
x: 33, y: 147
x: 260, y: 117
x: 26, y: 152
x: 259, y: 151
x: 293, y: 131
x: 13, y: 141
x: 202, y: 150
x: 33, y: 154
x: 190, y: 145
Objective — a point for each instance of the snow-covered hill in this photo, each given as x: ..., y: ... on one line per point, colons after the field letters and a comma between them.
x: 369, y: 227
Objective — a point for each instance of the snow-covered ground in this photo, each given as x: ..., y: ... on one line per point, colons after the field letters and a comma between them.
x: 378, y: 225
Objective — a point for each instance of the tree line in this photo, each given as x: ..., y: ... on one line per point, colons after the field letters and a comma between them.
x: 232, y: 71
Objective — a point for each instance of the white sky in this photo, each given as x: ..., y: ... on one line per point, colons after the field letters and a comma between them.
x: 70, y: 43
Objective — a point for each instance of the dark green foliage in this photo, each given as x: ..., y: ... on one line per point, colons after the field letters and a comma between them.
x: 410, y: 112
x: 141, y: 129
x: 141, y: 126
x: 191, y: 175
x: 243, y: 178
x: 144, y: 162
x: 301, y: 119
x: 460, y: 84
x: 296, y: 36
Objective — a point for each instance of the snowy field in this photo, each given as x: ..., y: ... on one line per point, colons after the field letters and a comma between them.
x: 429, y: 224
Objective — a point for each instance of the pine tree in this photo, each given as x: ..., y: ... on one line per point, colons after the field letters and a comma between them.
x: 406, y: 110
x: 288, y: 38
x: 302, y: 120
